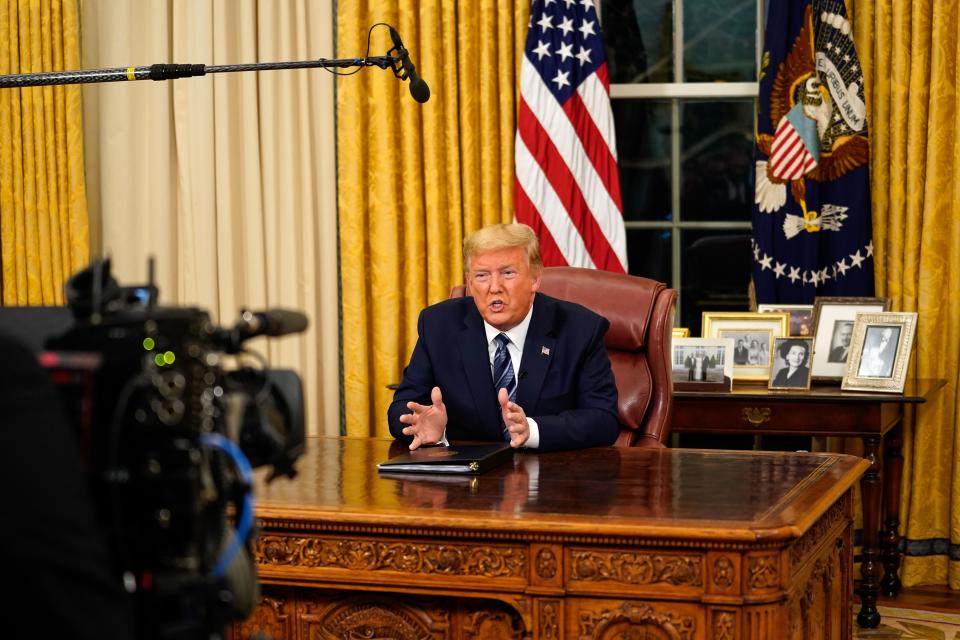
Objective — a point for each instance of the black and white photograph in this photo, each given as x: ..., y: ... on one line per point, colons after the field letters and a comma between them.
x: 879, y: 352
x: 840, y: 341
x: 791, y: 364
x: 833, y: 318
x: 752, y: 335
x: 701, y: 362
x: 750, y: 347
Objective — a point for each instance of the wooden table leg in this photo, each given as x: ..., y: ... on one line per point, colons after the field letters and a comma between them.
x: 890, y: 536
x: 870, y: 488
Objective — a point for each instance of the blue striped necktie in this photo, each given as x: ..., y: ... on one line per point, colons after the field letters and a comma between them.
x: 503, y: 377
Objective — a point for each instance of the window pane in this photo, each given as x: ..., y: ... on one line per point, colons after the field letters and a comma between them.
x: 716, y: 169
x: 638, y: 39
x: 648, y: 253
x: 719, y: 40
x: 715, y: 272
x: 643, y: 152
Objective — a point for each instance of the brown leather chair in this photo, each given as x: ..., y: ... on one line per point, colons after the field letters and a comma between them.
x: 640, y: 312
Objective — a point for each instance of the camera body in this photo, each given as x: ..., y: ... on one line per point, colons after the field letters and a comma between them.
x: 169, y: 437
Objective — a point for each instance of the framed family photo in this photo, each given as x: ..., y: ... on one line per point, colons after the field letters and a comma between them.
x: 752, y: 335
x: 702, y: 364
x: 790, y: 369
x: 880, y: 352
x: 833, y: 319
x: 801, y: 316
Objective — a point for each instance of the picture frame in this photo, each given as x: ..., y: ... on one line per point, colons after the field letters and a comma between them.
x: 880, y: 353
x: 833, y: 319
x: 790, y: 369
x: 753, y: 334
x: 801, y: 316
x: 681, y: 332
x: 713, y: 373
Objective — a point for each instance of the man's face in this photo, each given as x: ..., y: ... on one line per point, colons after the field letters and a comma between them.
x: 502, y: 285
x: 845, y: 332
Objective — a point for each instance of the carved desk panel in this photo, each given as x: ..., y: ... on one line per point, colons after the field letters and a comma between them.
x: 604, y: 543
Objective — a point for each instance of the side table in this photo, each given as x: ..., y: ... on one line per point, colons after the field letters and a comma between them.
x: 876, y: 418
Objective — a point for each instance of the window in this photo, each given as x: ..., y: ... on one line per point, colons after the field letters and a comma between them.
x: 684, y: 93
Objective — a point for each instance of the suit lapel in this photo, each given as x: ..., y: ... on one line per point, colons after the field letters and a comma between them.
x: 476, y: 364
x: 538, y: 350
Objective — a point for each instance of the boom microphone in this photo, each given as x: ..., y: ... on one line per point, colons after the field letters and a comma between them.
x: 418, y: 88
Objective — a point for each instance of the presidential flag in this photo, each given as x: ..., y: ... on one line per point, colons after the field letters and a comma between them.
x: 811, y: 219
x: 567, y: 185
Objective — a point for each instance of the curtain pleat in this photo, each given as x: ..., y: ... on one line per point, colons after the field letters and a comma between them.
x: 44, y: 232
x: 227, y: 180
x: 912, y: 75
x: 413, y: 179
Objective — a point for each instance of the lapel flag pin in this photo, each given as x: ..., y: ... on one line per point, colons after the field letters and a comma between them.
x: 544, y: 351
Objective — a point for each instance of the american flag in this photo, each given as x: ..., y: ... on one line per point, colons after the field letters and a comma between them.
x: 567, y: 185
x: 794, y: 145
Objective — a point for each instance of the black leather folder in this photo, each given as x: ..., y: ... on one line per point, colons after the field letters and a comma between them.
x: 460, y: 459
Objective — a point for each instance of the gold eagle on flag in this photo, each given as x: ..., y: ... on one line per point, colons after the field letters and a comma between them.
x: 819, y: 83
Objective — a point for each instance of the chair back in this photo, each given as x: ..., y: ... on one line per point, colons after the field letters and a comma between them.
x: 640, y: 312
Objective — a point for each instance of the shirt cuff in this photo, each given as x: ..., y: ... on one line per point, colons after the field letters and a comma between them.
x: 533, y: 442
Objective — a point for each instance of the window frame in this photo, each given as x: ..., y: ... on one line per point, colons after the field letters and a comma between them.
x: 675, y: 92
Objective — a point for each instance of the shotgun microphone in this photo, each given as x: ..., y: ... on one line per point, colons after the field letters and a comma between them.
x: 418, y: 88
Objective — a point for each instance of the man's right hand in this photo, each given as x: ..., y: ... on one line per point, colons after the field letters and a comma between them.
x: 428, y: 422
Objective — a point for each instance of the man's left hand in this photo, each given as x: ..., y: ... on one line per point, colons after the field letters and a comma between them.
x: 515, y: 419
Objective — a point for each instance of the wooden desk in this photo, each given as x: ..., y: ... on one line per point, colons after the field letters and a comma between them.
x: 604, y: 543
x: 827, y: 411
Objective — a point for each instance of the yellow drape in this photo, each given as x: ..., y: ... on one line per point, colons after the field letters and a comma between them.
x: 43, y: 206
x: 910, y: 54
x: 413, y: 179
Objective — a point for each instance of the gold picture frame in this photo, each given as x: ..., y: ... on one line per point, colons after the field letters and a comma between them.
x: 787, y: 373
x: 833, y: 325
x: 681, y: 332
x: 880, y: 352
x: 754, y: 332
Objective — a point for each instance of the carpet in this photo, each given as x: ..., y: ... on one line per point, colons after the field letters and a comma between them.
x: 911, y: 624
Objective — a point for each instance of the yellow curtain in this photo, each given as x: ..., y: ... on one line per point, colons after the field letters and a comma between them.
x: 227, y: 180
x: 43, y: 206
x: 413, y: 179
x: 910, y: 54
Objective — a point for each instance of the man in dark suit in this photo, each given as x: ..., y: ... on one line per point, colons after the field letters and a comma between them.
x: 741, y: 355
x: 506, y: 362
x: 842, y: 332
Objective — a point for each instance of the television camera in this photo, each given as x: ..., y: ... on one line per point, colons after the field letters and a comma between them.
x: 169, y: 437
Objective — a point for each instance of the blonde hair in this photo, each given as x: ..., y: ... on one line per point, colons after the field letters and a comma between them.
x: 495, y: 237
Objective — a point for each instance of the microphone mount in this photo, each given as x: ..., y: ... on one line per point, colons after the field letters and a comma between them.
x: 176, y: 71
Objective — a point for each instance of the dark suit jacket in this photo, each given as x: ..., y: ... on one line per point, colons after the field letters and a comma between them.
x: 741, y: 355
x: 837, y: 355
x: 798, y: 379
x: 565, y: 382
